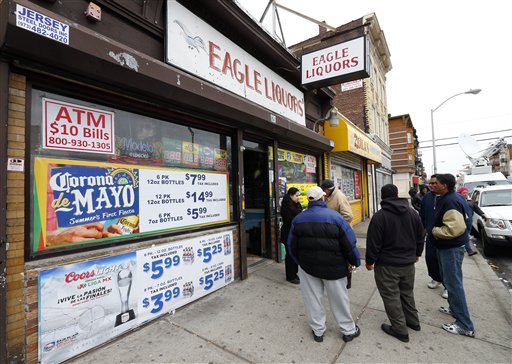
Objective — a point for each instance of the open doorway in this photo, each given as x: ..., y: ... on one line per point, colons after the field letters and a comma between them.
x: 257, y: 200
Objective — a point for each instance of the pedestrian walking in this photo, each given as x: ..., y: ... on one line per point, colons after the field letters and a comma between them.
x: 394, y: 243
x: 290, y: 207
x: 449, y: 234
x: 324, y: 246
x: 416, y: 201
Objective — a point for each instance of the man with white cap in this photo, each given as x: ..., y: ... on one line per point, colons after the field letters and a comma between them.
x: 324, y: 246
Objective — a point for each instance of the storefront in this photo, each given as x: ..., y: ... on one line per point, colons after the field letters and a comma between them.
x: 350, y: 165
x: 145, y: 163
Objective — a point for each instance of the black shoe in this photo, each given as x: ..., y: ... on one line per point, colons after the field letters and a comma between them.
x: 351, y: 337
x: 294, y: 280
x: 414, y: 327
x: 472, y: 252
x: 318, y: 339
x: 389, y: 330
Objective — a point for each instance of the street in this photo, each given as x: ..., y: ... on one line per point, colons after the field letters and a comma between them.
x: 501, y: 262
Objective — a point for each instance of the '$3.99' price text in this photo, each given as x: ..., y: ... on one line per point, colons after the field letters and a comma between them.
x: 207, y: 280
x: 158, y: 266
x: 159, y: 299
x: 209, y: 251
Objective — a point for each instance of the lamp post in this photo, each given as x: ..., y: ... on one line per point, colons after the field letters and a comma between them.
x: 473, y: 92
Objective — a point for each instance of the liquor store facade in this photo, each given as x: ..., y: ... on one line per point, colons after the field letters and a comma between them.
x: 146, y: 152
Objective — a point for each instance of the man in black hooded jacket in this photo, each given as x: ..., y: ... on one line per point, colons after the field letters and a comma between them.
x: 393, y: 244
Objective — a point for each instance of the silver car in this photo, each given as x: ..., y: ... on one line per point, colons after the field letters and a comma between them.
x: 496, y: 229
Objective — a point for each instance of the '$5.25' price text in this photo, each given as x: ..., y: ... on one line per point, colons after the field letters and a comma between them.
x: 159, y: 299
x: 207, y: 280
x: 208, y: 251
x: 158, y: 266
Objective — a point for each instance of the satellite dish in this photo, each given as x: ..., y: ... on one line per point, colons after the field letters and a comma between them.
x: 469, y: 146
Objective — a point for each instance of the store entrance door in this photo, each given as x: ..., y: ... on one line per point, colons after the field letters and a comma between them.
x: 257, y: 202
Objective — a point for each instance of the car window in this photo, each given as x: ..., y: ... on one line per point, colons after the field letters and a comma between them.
x: 496, y: 198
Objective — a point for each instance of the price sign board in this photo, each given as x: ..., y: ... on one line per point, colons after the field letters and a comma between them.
x: 80, y: 202
x: 85, y: 304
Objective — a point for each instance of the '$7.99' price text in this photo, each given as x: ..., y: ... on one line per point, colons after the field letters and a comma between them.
x: 207, y: 280
x: 157, y: 266
x: 159, y: 299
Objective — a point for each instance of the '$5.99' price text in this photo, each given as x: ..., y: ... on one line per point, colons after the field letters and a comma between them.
x: 158, y: 266
x: 207, y: 280
x: 158, y: 299
x: 196, y: 211
x: 208, y: 252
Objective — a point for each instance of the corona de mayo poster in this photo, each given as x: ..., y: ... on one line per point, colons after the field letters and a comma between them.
x: 78, y: 202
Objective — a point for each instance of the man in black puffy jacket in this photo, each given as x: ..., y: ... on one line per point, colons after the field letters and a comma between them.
x: 394, y: 242
x: 324, y: 246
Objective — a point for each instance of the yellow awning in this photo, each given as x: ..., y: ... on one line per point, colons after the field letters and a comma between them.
x: 349, y: 138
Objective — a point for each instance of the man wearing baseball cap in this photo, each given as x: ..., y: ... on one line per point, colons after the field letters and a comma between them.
x: 324, y: 246
x: 336, y: 200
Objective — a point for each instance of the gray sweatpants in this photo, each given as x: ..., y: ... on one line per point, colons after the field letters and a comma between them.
x: 312, y: 289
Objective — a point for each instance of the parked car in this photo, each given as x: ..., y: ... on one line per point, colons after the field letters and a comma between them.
x: 496, y: 229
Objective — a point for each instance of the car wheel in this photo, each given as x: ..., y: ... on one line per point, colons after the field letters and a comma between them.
x: 488, y: 249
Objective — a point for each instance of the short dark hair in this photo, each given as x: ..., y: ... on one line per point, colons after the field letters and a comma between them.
x: 292, y: 191
x: 448, y: 180
x: 389, y: 190
x: 327, y: 184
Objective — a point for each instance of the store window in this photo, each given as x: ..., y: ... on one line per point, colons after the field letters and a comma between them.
x: 348, y: 180
x: 296, y: 170
x: 105, y: 175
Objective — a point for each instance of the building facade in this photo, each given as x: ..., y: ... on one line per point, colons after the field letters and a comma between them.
x: 405, y: 159
x: 147, y: 145
x: 363, y: 103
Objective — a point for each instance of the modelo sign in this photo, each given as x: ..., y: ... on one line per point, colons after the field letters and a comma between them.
x: 339, y: 63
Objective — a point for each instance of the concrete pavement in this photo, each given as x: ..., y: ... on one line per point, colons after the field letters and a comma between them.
x: 262, y: 320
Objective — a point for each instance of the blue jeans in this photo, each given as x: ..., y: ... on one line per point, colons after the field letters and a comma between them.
x: 450, y: 264
x: 467, y: 246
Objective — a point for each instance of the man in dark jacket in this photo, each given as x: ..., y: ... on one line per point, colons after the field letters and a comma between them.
x: 394, y: 243
x: 324, y: 246
x: 449, y: 234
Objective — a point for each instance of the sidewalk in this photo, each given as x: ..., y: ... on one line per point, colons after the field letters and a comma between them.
x: 262, y: 320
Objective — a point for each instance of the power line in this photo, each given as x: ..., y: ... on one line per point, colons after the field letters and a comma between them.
x: 479, y: 140
x: 487, y: 132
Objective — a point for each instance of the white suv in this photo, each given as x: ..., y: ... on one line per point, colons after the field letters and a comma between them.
x: 496, y: 229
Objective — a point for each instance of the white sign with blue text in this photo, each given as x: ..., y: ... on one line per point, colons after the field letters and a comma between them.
x: 41, y: 24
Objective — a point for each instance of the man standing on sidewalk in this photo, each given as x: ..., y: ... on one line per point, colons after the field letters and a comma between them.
x: 336, y: 200
x: 394, y: 244
x: 324, y: 246
x: 449, y: 233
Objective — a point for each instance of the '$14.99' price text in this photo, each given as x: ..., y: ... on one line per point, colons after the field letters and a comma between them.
x: 208, y: 252
x: 158, y: 266
x: 207, y: 280
x: 158, y: 299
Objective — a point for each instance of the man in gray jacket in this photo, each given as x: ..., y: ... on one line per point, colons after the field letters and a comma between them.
x: 393, y: 244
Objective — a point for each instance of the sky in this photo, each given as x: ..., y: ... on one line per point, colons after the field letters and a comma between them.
x: 438, y: 48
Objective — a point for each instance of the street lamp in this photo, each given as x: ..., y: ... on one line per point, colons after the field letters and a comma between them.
x: 473, y: 92
x: 332, y: 116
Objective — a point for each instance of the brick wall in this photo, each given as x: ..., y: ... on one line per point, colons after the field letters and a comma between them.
x: 351, y: 103
x: 15, y: 220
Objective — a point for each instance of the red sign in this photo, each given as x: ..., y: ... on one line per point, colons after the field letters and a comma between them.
x: 77, y: 128
x: 357, y: 184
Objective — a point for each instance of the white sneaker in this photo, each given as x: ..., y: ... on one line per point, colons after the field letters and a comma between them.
x: 445, y: 294
x: 433, y: 284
